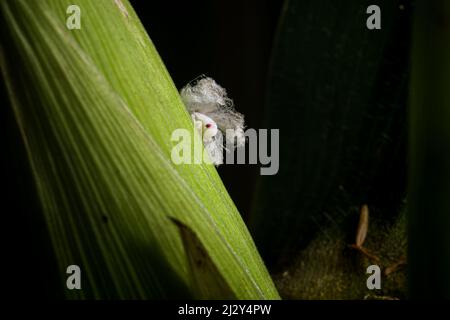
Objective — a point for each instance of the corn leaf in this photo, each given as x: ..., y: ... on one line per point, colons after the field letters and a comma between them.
x: 96, y: 109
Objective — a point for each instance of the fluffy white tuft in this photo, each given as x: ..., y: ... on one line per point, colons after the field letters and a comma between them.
x: 205, y: 97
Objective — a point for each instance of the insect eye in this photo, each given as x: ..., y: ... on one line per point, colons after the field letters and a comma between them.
x: 208, y: 125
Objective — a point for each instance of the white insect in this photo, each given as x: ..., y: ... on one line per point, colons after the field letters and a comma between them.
x: 214, y: 116
x: 212, y: 137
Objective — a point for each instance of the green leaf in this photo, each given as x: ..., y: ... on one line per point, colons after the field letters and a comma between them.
x: 205, y: 278
x: 96, y: 109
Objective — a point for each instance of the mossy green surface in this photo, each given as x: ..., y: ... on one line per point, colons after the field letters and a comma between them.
x: 328, y: 269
